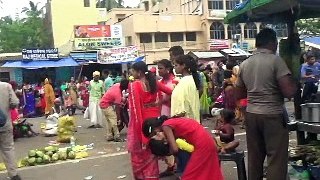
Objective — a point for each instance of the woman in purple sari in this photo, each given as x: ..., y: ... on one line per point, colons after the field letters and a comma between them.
x: 29, y: 109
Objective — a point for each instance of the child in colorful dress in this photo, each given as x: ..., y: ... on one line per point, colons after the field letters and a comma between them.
x: 68, y: 102
x: 225, y: 132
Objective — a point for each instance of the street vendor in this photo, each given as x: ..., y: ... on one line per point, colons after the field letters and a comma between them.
x: 310, y: 73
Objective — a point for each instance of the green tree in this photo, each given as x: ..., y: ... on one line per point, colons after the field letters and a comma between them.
x: 29, y: 32
x: 109, y: 4
x: 309, y: 26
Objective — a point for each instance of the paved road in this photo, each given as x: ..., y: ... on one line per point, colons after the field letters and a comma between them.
x: 107, y: 161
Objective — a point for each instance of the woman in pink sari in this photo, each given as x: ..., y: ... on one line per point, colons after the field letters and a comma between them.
x: 143, y: 104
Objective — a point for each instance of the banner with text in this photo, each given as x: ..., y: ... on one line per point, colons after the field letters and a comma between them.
x: 97, y: 36
x: 92, y: 31
x: 95, y: 43
x: 40, y: 54
x: 117, y: 55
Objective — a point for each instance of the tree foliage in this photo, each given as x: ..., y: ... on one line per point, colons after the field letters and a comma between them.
x: 29, y: 32
x: 109, y: 4
x: 309, y: 26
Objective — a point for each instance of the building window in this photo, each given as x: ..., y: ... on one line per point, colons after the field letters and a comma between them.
x: 281, y: 30
x: 120, y: 19
x: 231, y: 4
x: 217, y: 31
x: 4, y: 76
x: 250, y: 30
x: 176, y: 37
x: 191, y: 36
x: 145, y: 38
x: 161, y: 37
x: 215, y: 4
x: 233, y: 29
x: 86, y: 3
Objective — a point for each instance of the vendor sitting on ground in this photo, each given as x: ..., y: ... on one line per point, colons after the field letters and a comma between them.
x: 58, y: 108
x: 21, y: 128
x: 225, y: 132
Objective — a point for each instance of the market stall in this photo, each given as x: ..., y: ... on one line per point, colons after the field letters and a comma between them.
x: 37, y: 71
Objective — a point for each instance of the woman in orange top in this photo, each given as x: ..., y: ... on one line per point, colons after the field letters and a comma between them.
x: 48, y: 96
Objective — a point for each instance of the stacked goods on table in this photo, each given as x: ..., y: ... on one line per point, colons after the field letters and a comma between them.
x: 66, y: 128
x: 306, y: 159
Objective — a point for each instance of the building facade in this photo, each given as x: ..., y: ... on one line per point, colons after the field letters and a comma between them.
x: 156, y: 26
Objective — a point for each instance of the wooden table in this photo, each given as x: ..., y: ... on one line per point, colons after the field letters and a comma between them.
x: 301, y: 128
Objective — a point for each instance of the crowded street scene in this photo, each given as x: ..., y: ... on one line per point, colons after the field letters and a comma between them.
x: 160, y: 89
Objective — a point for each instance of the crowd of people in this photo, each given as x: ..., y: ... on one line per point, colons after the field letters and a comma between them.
x: 163, y: 111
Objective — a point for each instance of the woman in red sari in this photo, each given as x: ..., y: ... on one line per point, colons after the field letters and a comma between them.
x: 204, y: 161
x: 84, y: 92
x: 143, y: 104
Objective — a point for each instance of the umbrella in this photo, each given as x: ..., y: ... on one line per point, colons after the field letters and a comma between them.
x: 273, y: 11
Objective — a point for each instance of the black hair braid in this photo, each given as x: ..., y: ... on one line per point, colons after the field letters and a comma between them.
x: 151, y: 78
x: 194, y: 71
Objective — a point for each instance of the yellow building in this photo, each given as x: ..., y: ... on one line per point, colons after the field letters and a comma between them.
x: 156, y: 26
x: 63, y: 15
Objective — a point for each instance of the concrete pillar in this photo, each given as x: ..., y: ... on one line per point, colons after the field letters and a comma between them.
x: 226, y: 31
x: 169, y: 40
x: 185, y: 39
x: 242, y: 31
x: 225, y: 5
x: 258, y: 26
x: 153, y: 40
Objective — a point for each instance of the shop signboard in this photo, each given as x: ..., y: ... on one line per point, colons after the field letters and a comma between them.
x: 97, y: 36
x: 40, y: 54
x: 117, y: 55
x: 95, y: 43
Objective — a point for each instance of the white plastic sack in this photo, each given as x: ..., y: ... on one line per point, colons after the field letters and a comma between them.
x: 86, y: 114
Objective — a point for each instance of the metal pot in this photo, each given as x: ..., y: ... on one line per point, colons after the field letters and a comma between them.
x: 311, y: 112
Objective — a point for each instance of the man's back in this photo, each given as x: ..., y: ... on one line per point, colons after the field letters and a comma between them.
x: 7, y: 98
x: 260, y: 74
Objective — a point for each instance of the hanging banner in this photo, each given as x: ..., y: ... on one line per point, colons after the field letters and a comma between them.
x: 92, y: 31
x: 95, y: 43
x: 88, y: 37
x: 117, y: 55
x: 40, y: 54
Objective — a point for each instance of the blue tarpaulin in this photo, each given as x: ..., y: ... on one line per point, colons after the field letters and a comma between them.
x: 313, y: 42
x: 41, y: 63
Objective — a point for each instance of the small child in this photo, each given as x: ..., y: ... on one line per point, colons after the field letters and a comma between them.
x: 225, y: 132
x: 68, y: 103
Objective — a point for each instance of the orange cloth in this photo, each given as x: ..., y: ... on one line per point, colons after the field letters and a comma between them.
x: 48, y: 96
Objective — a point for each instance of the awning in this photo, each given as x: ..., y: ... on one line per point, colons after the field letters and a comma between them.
x: 207, y: 54
x: 273, y: 11
x: 41, y: 64
x: 313, y: 42
x: 133, y: 60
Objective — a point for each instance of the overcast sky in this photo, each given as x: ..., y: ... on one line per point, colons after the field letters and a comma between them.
x: 12, y: 7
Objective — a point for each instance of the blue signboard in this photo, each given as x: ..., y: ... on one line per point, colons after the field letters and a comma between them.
x: 40, y: 54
